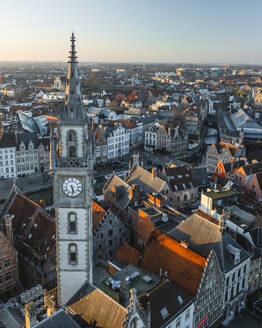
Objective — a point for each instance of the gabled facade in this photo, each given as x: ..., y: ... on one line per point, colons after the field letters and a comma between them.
x: 26, y: 153
x: 109, y: 231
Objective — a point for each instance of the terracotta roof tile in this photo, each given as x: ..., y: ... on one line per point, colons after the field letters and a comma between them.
x: 185, y: 267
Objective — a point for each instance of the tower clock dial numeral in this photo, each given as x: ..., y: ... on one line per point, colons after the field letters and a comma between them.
x: 72, y: 187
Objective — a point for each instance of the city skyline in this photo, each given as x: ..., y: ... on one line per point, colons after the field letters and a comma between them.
x: 169, y: 32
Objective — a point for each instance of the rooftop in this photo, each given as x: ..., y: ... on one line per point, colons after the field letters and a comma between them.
x: 220, y: 194
x: 135, y: 276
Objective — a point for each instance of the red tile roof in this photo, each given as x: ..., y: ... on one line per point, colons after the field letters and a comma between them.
x: 184, y: 267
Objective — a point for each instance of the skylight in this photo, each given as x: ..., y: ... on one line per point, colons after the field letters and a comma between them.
x: 164, y: 313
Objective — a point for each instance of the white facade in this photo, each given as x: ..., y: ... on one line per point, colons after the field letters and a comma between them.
x: 8, y: 162
x: 150, y: 141
x: 136, y: 134
x: 27, y: 159
x: 236, y: 287
x: 118, y: 142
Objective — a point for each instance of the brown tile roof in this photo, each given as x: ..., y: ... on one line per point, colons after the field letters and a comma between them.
x: 44, y: 84
x: 23, y: 209
x: 97, y: 214
x: 41, y: 236
x: 32, y: 224
x: 99, y: 306
x: 180, y: 178
x: 145, y: 180
x: 128, y: 124
x: 127, y: 254
x: 185, y: 267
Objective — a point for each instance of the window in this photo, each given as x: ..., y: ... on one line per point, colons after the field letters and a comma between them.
x: 7, y: 263
x: 102, y: 235
x: 8, y: 276
x: 110, y: 232
x: 71, y: 223
x: 72, y: 136
x: 72, y: 151
x: 72, y: 254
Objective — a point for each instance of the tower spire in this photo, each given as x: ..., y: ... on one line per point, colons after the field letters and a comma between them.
x: 73, y: 108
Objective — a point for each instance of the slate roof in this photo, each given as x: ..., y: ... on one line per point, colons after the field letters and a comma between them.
x: 200, y: 177
x: 145, y: 181
x: 252, y: 168
x: 203, y: 234
x: 118, y: 190
x: 7, y: 140
x: 180, y: 178
x: 25, y: 138
x: 184, y: 266
x: 166, y: 296
x: 58, y: 319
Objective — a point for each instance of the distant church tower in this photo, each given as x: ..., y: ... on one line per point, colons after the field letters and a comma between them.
x: 72, y: 163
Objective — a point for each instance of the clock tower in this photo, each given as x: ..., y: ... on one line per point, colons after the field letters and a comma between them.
x: 72, y: 164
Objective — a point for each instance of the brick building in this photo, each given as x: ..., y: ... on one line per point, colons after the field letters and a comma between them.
x: 8, y: 266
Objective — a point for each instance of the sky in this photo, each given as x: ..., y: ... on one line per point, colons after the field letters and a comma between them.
x: 175, y: 31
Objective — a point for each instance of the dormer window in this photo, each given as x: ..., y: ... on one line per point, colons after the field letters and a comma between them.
x: 22, y: 146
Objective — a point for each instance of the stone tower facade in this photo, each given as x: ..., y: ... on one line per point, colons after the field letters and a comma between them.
x: 72, y: 164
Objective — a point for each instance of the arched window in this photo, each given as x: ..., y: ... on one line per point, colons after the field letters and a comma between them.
x: 72, y: 254
x: 72, y: 223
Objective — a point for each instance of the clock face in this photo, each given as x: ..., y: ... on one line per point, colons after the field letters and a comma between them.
x: 72, y: 187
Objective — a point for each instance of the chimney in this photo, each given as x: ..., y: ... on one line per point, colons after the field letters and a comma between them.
x: 30, y: 315
x: 153, y: 173
x: 222, y: 222
x: 183, y: 243
x: 42, y: 203
x: 9, y: 228
x: 124, y: 293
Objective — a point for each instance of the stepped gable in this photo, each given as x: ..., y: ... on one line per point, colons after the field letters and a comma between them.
x: 98, y: 214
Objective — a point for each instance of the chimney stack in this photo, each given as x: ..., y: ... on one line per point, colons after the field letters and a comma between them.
x: 153, y: 173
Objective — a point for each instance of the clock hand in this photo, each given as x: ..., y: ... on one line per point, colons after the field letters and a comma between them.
x: 72, y: 189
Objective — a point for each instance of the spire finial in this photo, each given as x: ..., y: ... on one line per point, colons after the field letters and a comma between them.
x: 72, y: 53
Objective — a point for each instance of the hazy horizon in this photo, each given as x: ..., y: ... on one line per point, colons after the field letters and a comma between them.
x: 149, y: 31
